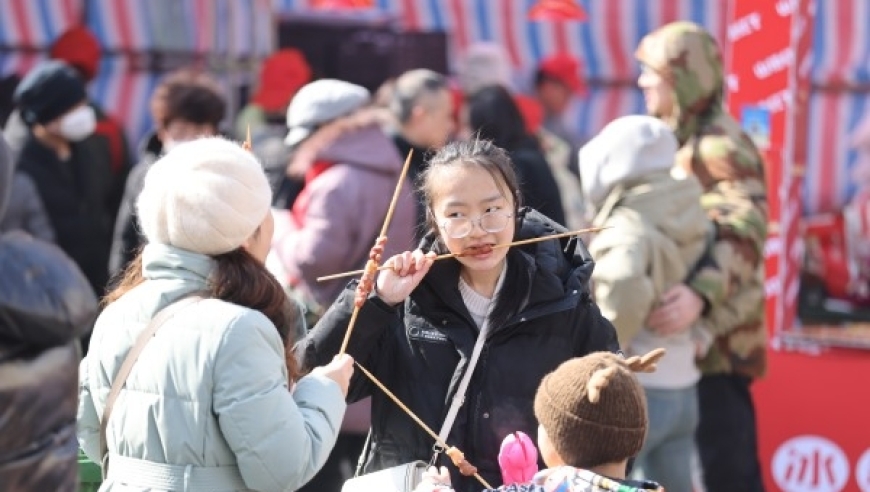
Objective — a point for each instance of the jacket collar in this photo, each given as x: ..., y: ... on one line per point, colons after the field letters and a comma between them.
x: 418, y: 158
x: 35, y: 150
x: 161, y: 261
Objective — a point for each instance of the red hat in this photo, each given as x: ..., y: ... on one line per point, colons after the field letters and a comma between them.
x: 458, y: 97
x: 78, y: 47
x: 565, y: 69
x: 282, y: 75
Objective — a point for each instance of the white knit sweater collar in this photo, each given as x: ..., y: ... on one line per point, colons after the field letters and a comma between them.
x: 477, y: 304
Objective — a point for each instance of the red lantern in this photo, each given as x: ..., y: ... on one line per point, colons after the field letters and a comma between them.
x: 342, y: 4
x: 557, y: 10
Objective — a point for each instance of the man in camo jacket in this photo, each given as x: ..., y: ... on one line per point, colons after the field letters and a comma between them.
x: 683, y: 85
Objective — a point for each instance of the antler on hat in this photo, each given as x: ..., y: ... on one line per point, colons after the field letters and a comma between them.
x: 646, y: 362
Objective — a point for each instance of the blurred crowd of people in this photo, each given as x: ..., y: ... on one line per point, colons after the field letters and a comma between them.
x: 99, y: 236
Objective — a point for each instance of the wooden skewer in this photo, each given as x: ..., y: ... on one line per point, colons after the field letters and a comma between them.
x: 372, y: 265
x: 247, y: 143
x: 396, y: 194
x: 454, y: 255
x: 414, y: 417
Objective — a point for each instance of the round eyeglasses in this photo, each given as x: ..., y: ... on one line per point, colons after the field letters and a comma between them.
x: 491, y: 222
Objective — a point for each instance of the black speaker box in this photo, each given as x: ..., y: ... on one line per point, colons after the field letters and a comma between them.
x: 365, y: 53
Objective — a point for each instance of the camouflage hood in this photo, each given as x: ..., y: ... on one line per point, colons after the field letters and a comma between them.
x: 687, y: 57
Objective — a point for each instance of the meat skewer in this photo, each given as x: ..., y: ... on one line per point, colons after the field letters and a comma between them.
x: 474, y: 250
x: 367, y: 282
x: 458, y: 459
x: 247, y: 143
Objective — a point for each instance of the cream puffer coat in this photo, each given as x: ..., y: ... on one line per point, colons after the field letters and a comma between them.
x: 209, y: 392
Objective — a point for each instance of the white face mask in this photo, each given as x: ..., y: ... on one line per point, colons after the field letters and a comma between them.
x: 78, y: 124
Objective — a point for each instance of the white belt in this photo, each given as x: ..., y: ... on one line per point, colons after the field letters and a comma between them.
x: 180, y: 478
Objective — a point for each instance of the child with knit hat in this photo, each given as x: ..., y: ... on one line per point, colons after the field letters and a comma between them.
x: 592, y: 416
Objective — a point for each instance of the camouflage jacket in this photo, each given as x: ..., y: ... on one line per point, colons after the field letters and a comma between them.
x: 716, y: 150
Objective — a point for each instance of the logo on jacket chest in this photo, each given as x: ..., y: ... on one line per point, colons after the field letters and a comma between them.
x: 427, y: 334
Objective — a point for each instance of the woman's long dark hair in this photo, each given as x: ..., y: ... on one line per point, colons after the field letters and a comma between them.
x: 241, y: 279
x: 493, y: 115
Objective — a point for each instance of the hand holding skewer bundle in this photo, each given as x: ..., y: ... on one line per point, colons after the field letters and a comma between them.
x: 367, y: 281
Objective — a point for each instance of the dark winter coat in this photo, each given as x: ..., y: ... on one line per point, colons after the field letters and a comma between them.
x: 45, y: 305
x: 419, y: 162
x: 25, y: 211
x: 79, y: 198
x: 127, y: 239
x: 419, y: 350
x: 537, y: 184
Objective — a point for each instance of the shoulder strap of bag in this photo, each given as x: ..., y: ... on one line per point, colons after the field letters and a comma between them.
x: 120, y: 380
x: 459, y: 397
x: 458, y: 400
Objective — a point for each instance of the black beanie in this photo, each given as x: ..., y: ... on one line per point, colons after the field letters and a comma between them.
x: 49, y: 90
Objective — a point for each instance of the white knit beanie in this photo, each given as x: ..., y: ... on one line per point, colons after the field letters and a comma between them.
x: 627, y: 148
x: 207, y: 196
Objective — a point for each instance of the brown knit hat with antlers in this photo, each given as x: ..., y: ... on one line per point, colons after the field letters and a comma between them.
x: 593, y: 408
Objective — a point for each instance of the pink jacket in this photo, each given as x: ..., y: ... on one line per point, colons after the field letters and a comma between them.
x: 344, y: 206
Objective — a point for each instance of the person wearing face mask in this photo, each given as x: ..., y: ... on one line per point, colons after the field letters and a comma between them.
x: 75, y: 186
x: 80, y: 48
x: 190, y: 105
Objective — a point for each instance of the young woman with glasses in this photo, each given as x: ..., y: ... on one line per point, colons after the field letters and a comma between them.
x: 416, y: 332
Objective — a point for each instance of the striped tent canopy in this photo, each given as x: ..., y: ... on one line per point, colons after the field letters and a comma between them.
x: 223, y: 32
x: 840, y: 66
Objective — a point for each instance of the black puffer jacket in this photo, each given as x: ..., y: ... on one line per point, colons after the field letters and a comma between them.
x: 78, y: 197
x: 543, y: 316
x: 46, y: 304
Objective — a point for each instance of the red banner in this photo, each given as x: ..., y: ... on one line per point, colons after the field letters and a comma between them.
x: 812, y: 422
x: 812, y: 409
x: 768, y: 93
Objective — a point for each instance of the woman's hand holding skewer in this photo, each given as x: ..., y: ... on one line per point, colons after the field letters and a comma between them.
x: 404, y: 274
x: 339, y: 370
